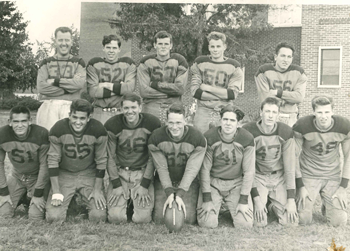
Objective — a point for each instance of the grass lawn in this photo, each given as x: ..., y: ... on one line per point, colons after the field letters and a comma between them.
x: 78, y: 234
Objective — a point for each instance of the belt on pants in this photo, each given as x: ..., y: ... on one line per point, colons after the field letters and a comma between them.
x: 128, y: 168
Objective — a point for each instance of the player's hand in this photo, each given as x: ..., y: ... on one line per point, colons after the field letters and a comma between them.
x: 180, y: 203
x: 245, y: 210
x: 168, y: 202
x: 39, y: 202
x: 4, y: 199
x: 302, y: 195
x: 99, y: 198
x: 50, y: 81
x: 291, y: 210
x: 144, y: 197
x: 259, y: 209
x: 56, y: 202
x: 205, y: 210
x: 115, y: 195
x: 341, y: 195
x: 106, y: 85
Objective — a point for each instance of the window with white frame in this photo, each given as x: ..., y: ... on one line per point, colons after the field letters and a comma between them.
x: 329, y: 67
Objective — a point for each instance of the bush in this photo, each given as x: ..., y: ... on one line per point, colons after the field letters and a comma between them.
x: 31, y: 103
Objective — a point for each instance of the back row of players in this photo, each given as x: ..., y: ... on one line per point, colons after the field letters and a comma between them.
x: 238, y: 166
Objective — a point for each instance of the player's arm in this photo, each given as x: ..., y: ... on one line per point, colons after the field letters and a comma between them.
x: 263, y: 86
x: 92, y: 78
x: 128, y: 85
x: 144, y: 79
x: 297, y: 95
x: 45, y: 85
x: 4, y: 190
x: 76, y: 83
x: 196, y: 83
x: 112, y: 167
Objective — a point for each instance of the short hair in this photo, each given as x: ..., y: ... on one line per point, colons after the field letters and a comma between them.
x: 270, y: 101
x: 162, y: 34
x: 284, y: 45
x: 234, y: 109
x: 63, y: 29
x: 217, y: 36
x: 176, y: 107
x: 131, y: 97
x: 321, y: 100
x: 81, y: 105
x: 19, y: 109
x: 109, y: 38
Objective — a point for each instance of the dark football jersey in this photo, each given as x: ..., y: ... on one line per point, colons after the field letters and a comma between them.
x: 121, y: 73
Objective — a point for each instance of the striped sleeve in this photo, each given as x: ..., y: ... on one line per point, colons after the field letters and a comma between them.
x: 93, y: 80
x: 78, y: 81
x: 296, y: 95
x: 262, y: 85
x: 45, y: 88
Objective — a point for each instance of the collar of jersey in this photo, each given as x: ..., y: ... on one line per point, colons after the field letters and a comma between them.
x: 65, y: 59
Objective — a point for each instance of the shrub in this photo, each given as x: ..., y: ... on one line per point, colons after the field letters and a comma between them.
x: 31, y: 103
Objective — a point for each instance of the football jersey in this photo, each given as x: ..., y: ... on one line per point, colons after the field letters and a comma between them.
x: 274, y: 151
x: 28, y: 155
x: 290, y: 85
x: 177, y: 160
x: 228, y: 160
x: 69, y: 75
x: 224, y: 75
x: 319, y: 158
x: 127, y: 146
x: 99, y: 70
x: 74, y: 153
x: 162, y: 80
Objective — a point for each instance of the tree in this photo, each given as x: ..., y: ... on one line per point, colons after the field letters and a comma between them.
x: 190, y: 23
x: 17, y: 63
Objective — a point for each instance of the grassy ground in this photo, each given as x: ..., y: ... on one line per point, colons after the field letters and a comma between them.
x: 78, y: 234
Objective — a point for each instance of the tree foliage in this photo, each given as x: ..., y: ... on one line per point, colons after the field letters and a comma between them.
x: 191, y: 23
x: 17, y: 63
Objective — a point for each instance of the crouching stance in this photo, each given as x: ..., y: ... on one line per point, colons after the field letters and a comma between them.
x: 227, y: 172
x: 275, y: 166
x: 26, y: 146
x: 319, y: 169
x: 129, y: 166
x: 77, y: 162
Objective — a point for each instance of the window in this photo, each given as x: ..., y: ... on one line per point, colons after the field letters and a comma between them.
x: 329, y: 67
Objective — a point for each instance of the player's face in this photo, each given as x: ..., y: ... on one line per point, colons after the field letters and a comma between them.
x: 323, y: 114
x: 269, y: 114
x: 229, y: 122
x: 284, y: 59
x: 217, y: 49
x: 176, y: 124
x: 111, y: 51
x: 63, y: 43
x: 163, y: 46
x: 20, y: 124
x: 131, y: 110
x: 78, y: 120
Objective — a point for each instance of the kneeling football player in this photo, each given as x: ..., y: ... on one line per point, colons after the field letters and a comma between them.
x: 177, y: 151
x: 128, y: 161
x: 227, y: 172
x: 275, y: 166
x: 77, y: 162
x: 26, y: 146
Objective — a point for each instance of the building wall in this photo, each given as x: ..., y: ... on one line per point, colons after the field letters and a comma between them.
x: 325, y: 25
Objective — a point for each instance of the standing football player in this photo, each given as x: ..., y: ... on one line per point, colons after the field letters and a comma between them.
x: 77, y: 162
x: 283, y: 80
x: 275, y: 166
x: 26, y: 146
x: 177, y: 151
x: 319, y: 170
x: 128, y: 135
x: 162, y: 77
x: 60, y: 80
x: 216, y: 81
x: 109, y: 78
x: 227, y: 172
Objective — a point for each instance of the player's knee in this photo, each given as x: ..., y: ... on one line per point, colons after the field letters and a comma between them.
x: 55, y: 216
x: 211, y: 222
x: 35, y: 214
x: 117, y: 215
x: 240, y: 222
x: 305, y: 217
x: 96, y: 215
x: 337, y: 218
x: 142, y: 216
x: 262, y: 223
x: 6, y: 211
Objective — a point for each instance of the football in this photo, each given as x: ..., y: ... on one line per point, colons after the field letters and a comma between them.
x: 173, y: 218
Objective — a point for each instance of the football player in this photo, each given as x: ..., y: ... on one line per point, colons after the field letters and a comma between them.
x: 109, y: 78
x: 319, y: 170
x: 162, y: 77
x: 77, y: 162
x: 283, y: 80
x: 60, y: 80
x: 275, y: 166
x: 227, y: 172
x: 216, y: 81
x: 26, y: 146
x: 177, y: 151
x: 128, y: 135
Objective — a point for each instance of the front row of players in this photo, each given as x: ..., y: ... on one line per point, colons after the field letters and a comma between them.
x: 243, y: 167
